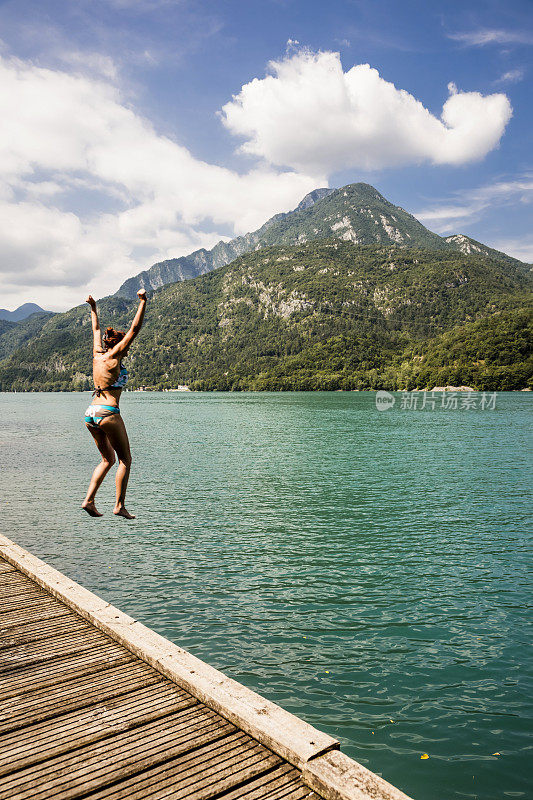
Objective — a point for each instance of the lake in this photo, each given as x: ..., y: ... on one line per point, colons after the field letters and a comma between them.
x: 367, y: 570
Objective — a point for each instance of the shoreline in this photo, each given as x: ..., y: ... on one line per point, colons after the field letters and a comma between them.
x: 461, y: 390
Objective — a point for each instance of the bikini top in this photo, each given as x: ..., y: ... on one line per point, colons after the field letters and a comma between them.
x: 122, y: 379
x: 120, y: 382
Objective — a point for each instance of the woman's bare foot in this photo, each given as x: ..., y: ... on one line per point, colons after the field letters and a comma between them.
x: 90, y: 508
x: 121, y: 511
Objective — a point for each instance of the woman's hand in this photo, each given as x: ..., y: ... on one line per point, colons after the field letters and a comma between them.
x: 91, y: 301
x: 141, y: 294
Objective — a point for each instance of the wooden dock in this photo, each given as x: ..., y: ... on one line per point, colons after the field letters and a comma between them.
x: 95, y: 705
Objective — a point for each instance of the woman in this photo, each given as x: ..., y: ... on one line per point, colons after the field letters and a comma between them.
x: 103, y: 419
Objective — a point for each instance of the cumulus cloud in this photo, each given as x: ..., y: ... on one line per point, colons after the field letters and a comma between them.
x: 63, y: 133
x: 468, y: 206
x: 310, y: 115
x: 66, y: 136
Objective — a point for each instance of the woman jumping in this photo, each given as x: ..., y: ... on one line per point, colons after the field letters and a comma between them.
x: 104, y: 421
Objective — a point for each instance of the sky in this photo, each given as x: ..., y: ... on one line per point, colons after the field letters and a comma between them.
x: 138, y: 130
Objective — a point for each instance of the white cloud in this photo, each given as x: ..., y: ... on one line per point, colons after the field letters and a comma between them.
x: 64, y: 132
x: 469, y: 206
x: 310, y: 115
x: 484, y: 36
x: 90, y: 63
x: 511, y: 76
x: 65, y: 136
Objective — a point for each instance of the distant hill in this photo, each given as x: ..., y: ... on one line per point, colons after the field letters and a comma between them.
x: 21, y: 312
x: 326, y: 314
x: 356, y: 213
x: 464, y: 244
x: 15, y: 334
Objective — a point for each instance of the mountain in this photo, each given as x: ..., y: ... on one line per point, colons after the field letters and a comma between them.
x: 464, y: 244
x: 325, y: 314
x: 15, y: 334
x: 356, y: 213
x: 202, y: 261
x: 5, y: 327
x: 21, y: 312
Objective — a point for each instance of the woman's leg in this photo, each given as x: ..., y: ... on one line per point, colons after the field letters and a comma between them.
x: 108, y: 459
x: 115, y: 431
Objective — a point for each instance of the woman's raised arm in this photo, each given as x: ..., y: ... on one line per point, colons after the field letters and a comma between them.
x: 97, y: 336
x: 120, y: 348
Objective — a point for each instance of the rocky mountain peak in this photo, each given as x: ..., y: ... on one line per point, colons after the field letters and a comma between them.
x: 312, y: 197
x: 355, y: 213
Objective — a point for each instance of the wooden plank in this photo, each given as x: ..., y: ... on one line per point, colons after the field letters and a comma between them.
x: 204, y: 772
x: 84, y: 716
x: 40, y: 631
x: 96, y: 766
x: 219, y: 773
x: 22, y: 599
x: 14, y: 579
x: 66, y: 636
x: 43, y: 674
x: 289, y: 736
x: 282, y: 783
x: 70, y: 731
x: 15, y: 584
x: 11, y: 574
x: 30, y: 605
x: 6, y: 569
x: 53, y: 729
x: 18, y: 596
x: 105, y: 712
x: 53, y: 701
x: 21, y: 594
x: 23, y: 655
x: 18, y: 617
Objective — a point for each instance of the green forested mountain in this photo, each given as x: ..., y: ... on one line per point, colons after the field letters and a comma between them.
x: 326, y: 314
x: 202, y: 261
x: 15, y: 334
x: 5, y: 326
x: 355, y: 213
x: 493, y: 352
x: 469, y: 246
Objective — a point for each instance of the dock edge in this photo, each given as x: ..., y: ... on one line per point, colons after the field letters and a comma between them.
x: 324, y: 768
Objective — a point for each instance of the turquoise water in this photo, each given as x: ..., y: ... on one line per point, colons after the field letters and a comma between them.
x: 367, y: 570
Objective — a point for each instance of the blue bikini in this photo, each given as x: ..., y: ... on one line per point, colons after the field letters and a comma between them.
x: 95, y: 414
x: 122, y: 379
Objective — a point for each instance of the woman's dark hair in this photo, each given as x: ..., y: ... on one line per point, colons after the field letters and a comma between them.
x: 111, y: 337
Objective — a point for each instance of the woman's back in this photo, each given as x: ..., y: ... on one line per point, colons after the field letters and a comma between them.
x: 106, y: 371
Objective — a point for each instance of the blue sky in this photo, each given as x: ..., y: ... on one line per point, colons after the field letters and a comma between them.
x: 143, y: 129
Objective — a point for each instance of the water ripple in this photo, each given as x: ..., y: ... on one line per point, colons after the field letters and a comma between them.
x: 368, y: 571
